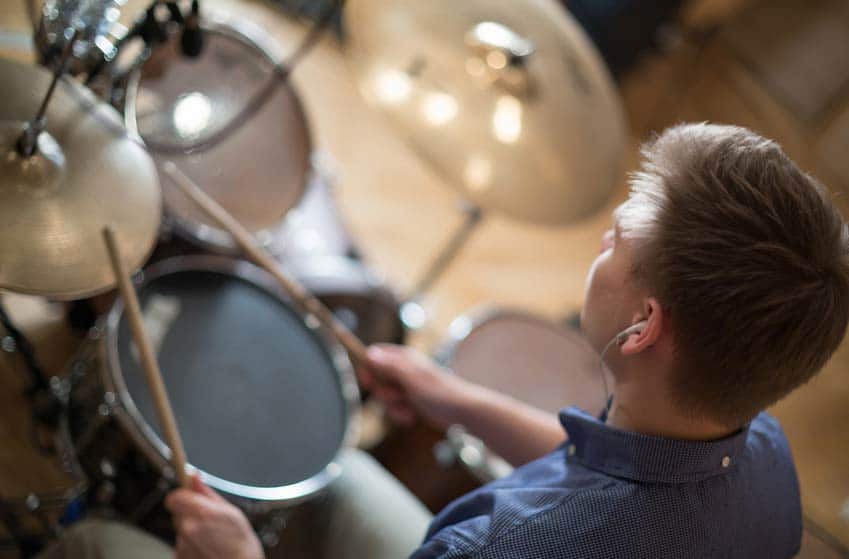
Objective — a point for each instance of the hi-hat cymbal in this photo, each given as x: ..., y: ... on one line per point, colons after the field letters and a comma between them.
x: 84, y: 175
x: 507, y: 99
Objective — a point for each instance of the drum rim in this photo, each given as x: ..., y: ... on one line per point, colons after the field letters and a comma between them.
x: 215, y: 239
x: 134, y: 424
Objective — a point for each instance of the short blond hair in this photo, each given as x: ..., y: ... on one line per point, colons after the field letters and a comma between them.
x: 749, y: 257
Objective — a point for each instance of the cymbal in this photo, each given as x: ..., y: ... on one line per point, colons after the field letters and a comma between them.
x: 507, y: 99
x: 85, y: 174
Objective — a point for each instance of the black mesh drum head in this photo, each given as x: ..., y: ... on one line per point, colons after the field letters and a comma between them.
x: 256, y: 393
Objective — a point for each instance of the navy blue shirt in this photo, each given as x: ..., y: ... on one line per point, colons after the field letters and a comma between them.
x: 608, y: 493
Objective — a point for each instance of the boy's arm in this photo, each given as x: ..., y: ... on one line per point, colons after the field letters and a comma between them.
x: 411, y: 385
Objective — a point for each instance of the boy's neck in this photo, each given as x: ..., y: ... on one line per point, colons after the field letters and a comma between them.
x: 641, y: 410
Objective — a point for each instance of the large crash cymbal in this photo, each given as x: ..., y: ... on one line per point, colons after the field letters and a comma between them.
x: 507, y: 99
x: 53, y: 205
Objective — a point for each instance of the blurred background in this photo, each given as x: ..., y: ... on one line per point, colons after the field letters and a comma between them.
x: 779, y: 67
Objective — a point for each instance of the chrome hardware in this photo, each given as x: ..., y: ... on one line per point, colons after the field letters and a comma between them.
x: 469, y: 451
x: 500, y: 55
x: 8, y: 344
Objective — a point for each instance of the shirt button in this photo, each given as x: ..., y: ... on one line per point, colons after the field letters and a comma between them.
x: 726, y: 461
x: 570, y: 450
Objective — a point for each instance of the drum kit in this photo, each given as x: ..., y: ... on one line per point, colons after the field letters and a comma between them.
x: 121, y: 128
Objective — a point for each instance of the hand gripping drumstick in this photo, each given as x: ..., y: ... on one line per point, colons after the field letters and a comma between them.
x: 151, y: 369
x: 261, y: 258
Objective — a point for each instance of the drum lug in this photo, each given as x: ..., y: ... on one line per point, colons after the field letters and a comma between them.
x: 33, y: 503
x: 105, y: 493
x: 95, y: 333
x: 269, y: 530
x: 8, y: 344
x: 107, y: 468
x: 269, y: 539
x: 109, y: 400
x: 60, y: 389
x: 104, y: 412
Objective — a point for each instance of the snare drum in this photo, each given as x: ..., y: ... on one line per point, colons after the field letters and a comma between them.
x: 263, y: 398
x: 177, y: 104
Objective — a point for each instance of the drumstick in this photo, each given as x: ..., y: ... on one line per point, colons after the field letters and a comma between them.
x: 356, y: 349
x: 151, y: 368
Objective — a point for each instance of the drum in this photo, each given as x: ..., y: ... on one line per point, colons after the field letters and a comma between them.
x: 263, y: 397
x: 530, y: 358
x: 178, y: 105
x: 357, y: 296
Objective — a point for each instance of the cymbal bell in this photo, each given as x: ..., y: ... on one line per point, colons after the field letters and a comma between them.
x: 507, y: 99
x: 86, y: 173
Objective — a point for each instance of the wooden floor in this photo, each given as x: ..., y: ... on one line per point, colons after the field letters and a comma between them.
x: 401, y: 211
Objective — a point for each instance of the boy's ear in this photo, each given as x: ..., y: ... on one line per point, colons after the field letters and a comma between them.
x: 649, y: 334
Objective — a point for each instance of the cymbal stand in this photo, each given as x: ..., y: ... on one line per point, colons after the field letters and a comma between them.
x: 413, y: 314
x: 46, y: 408
x: 28, y: 142
x: 152, y: 33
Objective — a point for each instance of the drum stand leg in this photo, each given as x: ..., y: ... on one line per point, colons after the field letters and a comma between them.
x: 46, y: 407
x: 413, y: 314
x: 16, y: 341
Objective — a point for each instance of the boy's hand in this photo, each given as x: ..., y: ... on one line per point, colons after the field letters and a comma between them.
x: 411, y: 385
x: 210, y: 527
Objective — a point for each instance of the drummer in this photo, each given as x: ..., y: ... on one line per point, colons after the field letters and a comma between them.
x: 722, y: 287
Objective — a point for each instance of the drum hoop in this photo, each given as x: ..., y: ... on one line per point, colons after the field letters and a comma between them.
x: 465, y: 324
x: 223, y: 23
x: 143, y: 434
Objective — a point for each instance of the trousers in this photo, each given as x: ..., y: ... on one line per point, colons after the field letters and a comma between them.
x: 364, y: 513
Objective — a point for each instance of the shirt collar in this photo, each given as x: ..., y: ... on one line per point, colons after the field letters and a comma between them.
x: 647, y: 458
